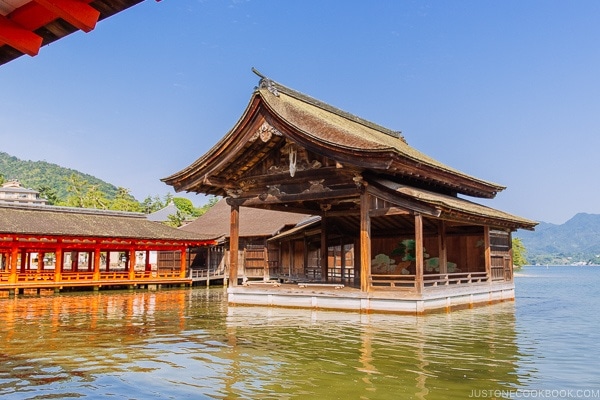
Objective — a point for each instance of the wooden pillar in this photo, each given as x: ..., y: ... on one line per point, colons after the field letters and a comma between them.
x: 487, y: 252
x: 306, y: 250
x: 357, y: 261
x: 107, y: 266
x: 14, y: 255
x: 290, y: 259
x: 41, y: 265
x: 75, y: 261
x: 324, y: 251
x: 148, y: 266
x: 58, y: 266
x: 208, y: 259
x: 234, y: 244
x: 24, y: 259
x: 96, y: 264
x: 365, y: 242
x: 443, y: 251
x: 90, y: 257
x: 183, y: 262
x: 131, y: 264
x: 419, y: 252
x: 511, y: 266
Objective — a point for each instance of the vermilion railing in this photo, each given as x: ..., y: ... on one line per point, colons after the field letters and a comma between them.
x: 44, y: 278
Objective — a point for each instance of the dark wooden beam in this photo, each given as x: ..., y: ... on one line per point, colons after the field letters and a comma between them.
x: 383, y: 212
x: 409, y: 204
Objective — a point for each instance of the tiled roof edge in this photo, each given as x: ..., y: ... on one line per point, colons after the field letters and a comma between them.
x: 276, y: 87
x: 72, y: 210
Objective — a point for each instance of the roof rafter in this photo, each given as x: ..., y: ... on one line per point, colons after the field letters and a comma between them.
x: 19, y: 37
x: 78, y: 13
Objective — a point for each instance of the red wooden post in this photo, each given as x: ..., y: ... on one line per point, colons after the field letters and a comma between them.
x: 24, y: 256
x: 14, y: 255
x: 131, y: 264
x: 182, y: 262
x: 58, y: 267
x: 148, y: 265
x: 96, y: 264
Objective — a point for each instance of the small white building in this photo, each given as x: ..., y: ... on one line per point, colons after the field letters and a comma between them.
x: 13, y: 192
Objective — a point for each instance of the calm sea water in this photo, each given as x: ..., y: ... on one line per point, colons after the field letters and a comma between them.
x: 177, y: 344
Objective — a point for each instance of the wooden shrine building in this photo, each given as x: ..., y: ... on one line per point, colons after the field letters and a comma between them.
x: 255, y: 259
x: 59, y: 247
x: 418, y: 243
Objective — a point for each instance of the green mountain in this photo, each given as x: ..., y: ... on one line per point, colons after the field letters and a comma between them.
x: 37, y: 174
x: 575, y: 241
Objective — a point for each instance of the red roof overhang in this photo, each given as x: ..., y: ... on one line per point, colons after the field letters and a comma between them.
x: 52, y: 242
x: 27, y: 25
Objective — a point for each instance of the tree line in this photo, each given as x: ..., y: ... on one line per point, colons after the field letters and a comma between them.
x: 84, y: 194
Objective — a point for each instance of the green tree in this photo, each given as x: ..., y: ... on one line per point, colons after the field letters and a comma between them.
x: 519, y: 252
x: 177, y: 219
x: 124, y: 201
x: 82, y: 194
x: 186, y: 207
x: 49, y: 194
x: 77, y: 188
x: 152, y: 204
x: 212, y: 200
x: 95, y: 198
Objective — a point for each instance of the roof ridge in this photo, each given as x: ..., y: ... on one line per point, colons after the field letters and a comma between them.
x: 276, y: 87
x: 73, y: 210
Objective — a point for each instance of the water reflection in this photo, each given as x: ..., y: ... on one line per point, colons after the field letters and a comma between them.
x: 376, y: 356
x: 188, y: 343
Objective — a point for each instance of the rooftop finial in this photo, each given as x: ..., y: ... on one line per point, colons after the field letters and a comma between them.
x: 266, y: 83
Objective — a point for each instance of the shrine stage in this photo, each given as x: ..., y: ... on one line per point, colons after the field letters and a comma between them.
x: 437, y: 299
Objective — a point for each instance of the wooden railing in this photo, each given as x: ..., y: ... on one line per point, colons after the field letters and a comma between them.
x: 114, y: 275
x: 393, y: 281
x: 46, y: 278
x: 35, y: 276
x: 77, y: 276
x: 429, y: 280
x: 457, y: 278
x: 201, y: 274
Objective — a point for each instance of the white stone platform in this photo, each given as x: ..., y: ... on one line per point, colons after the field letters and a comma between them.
x: 433, y: 299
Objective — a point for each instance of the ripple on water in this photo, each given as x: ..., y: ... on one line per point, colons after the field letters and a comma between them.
x: 189, y: 343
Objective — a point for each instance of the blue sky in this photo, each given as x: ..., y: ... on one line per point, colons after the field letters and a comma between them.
x: 508, y: 91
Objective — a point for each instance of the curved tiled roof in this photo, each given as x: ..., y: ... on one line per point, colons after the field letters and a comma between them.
x: 341, y: 135
x: 338, y: 129
x: 253, y: 221
x: 455, y: 205
x: 81, y: 222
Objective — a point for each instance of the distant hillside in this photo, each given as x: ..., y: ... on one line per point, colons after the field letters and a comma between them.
x: 35, y: 174
x: 575, y: 241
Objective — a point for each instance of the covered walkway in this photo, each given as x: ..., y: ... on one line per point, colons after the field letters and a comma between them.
x: 58, y: 247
